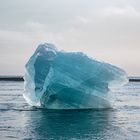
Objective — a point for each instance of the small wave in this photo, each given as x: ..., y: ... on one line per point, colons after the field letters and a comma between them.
x: 9, y: 89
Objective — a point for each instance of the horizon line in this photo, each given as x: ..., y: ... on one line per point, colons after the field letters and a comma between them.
x: 21, y: 78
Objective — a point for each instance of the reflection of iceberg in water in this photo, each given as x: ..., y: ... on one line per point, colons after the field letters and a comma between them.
x: 66, y: 80
x: 80, y: 124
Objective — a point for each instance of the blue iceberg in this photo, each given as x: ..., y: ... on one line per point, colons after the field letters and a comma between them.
x: 69, y: 80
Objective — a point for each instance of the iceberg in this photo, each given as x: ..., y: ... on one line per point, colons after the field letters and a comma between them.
x: 69, y: 80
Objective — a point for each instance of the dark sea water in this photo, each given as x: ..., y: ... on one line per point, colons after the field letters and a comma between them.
x: 20, y: 121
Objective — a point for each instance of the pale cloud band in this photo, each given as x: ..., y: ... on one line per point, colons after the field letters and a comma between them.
x: 107, y: 31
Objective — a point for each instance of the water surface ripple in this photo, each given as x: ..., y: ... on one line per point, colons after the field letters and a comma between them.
x: 20, y: 121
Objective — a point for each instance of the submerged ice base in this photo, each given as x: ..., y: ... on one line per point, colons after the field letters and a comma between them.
x: 69, y: 80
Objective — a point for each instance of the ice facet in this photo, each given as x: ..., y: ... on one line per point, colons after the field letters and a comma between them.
x: 69, y: 80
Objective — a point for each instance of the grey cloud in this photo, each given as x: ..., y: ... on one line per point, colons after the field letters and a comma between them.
x: 103, y: 29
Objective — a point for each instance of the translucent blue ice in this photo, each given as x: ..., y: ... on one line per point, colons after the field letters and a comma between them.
x: 69, y: 80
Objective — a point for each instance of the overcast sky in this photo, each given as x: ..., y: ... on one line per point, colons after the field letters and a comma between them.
x: 108, y: 30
